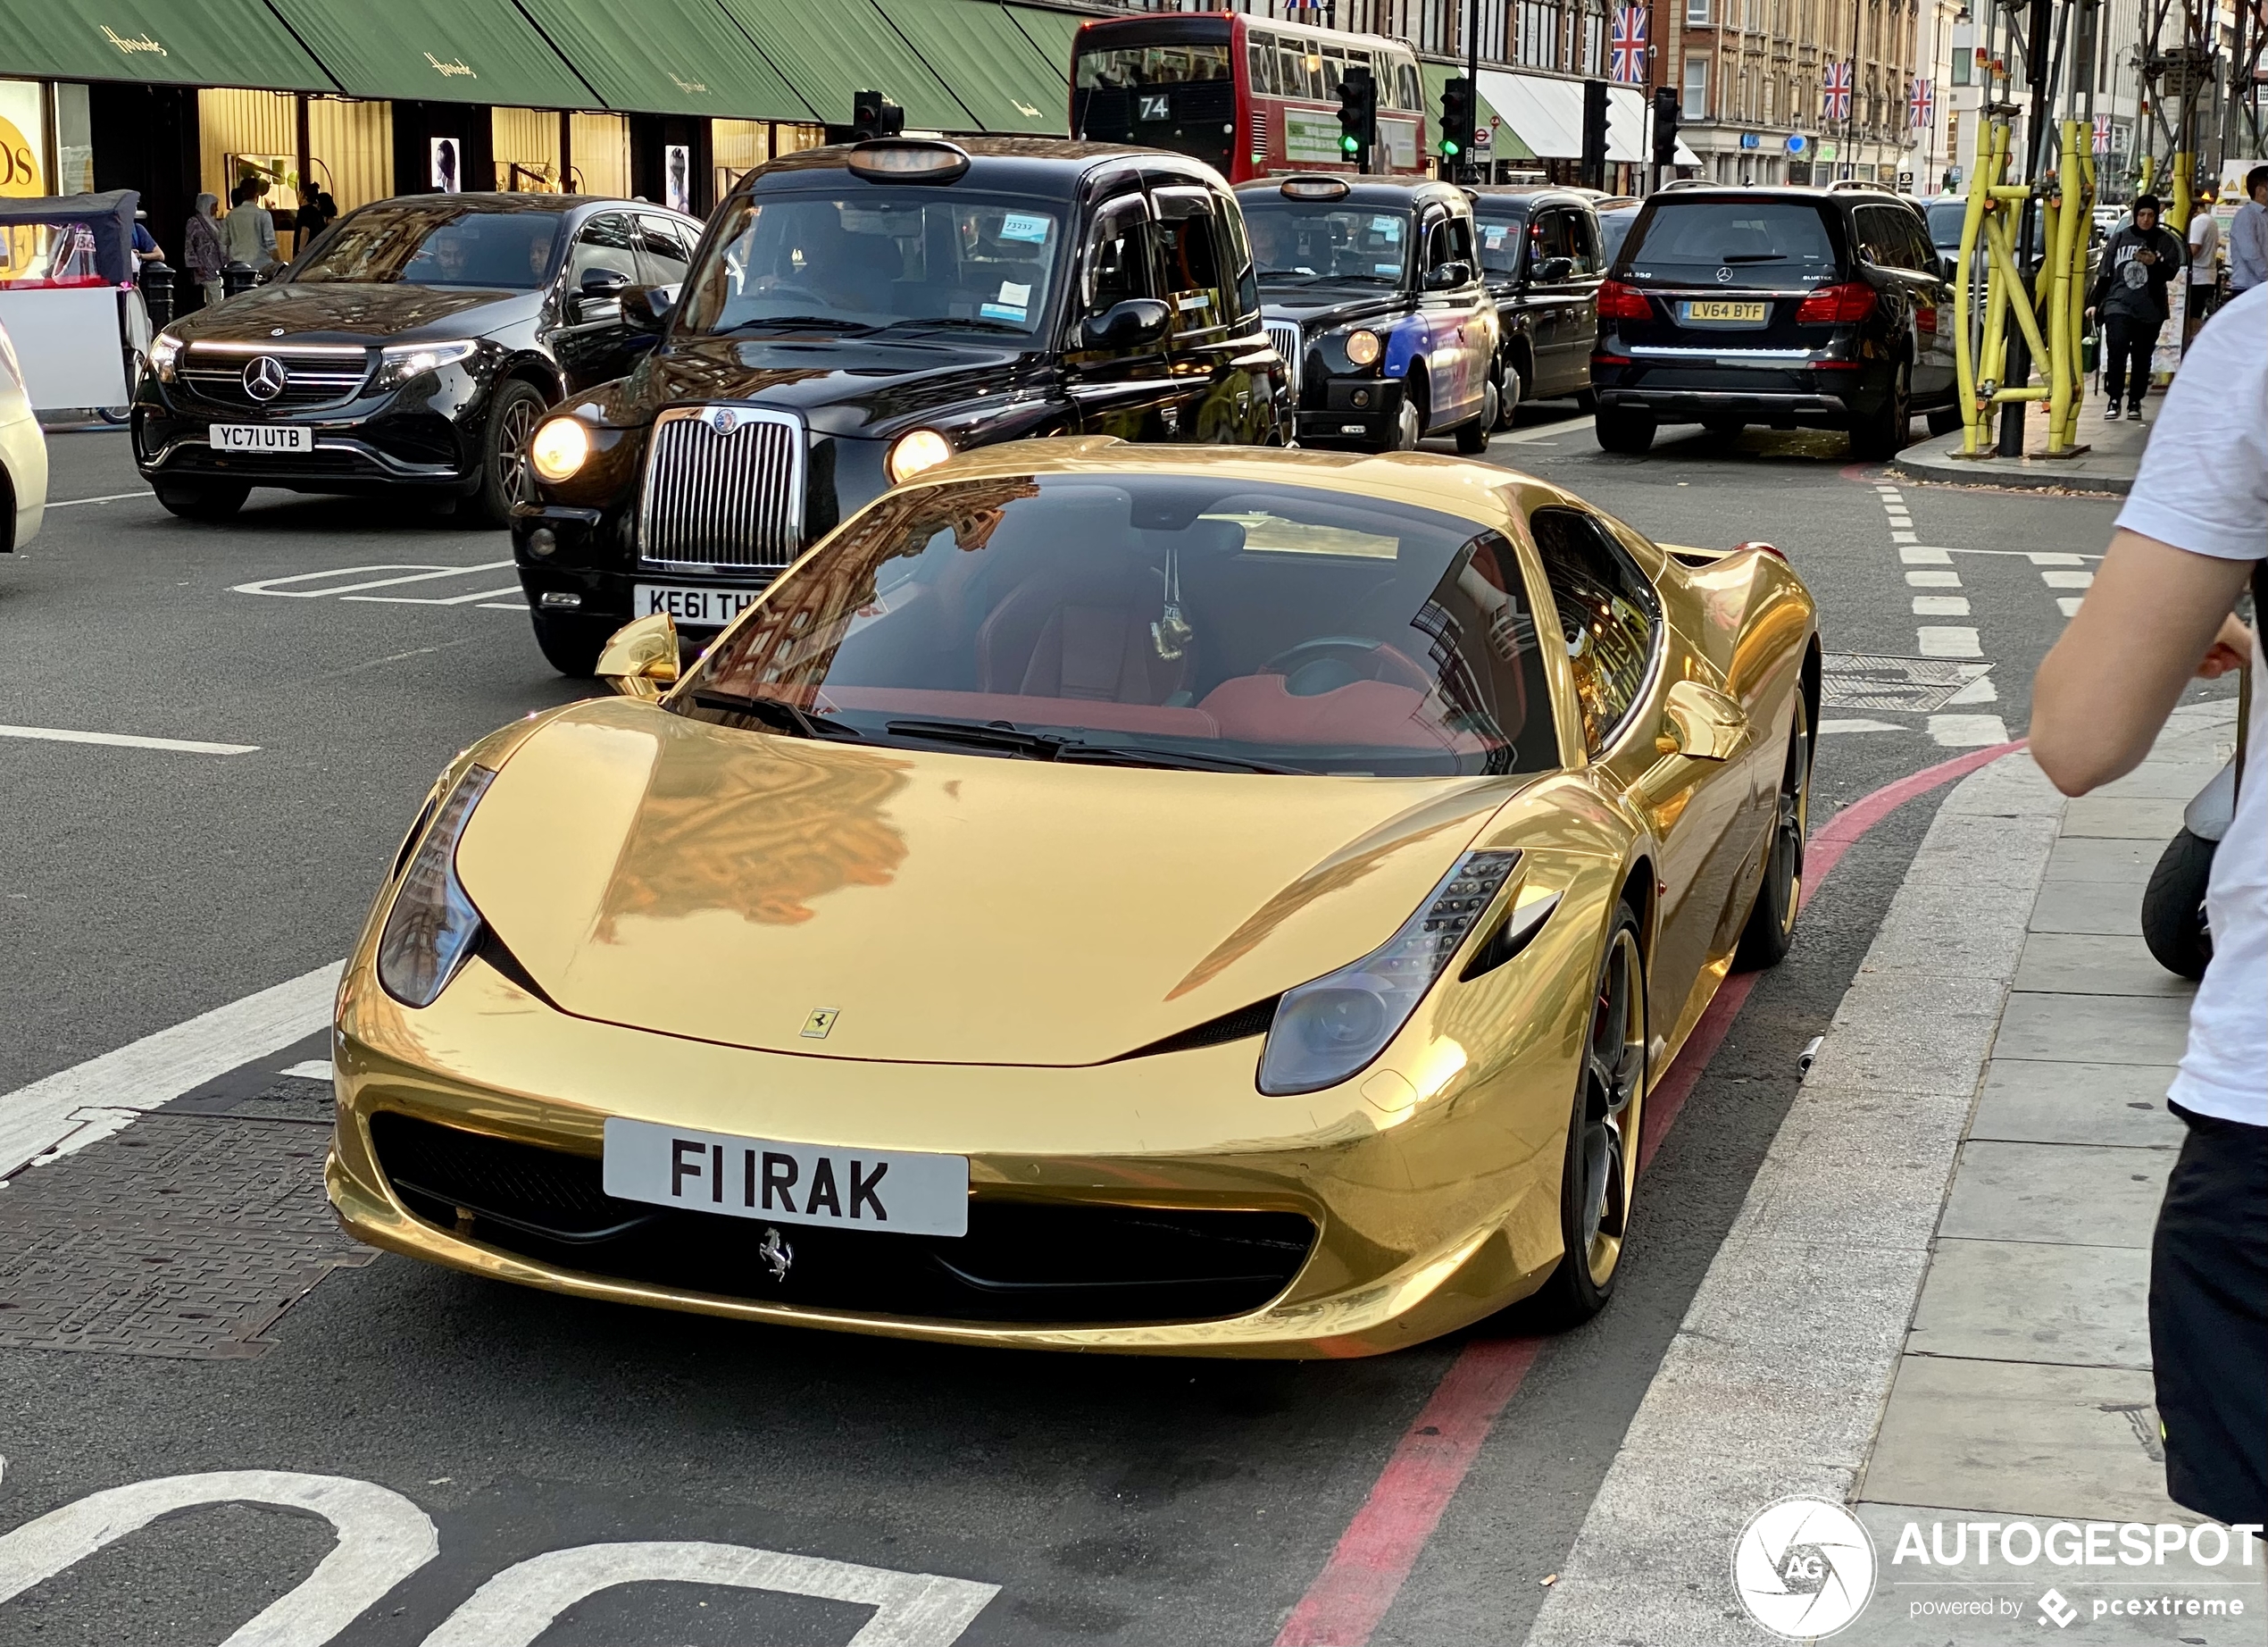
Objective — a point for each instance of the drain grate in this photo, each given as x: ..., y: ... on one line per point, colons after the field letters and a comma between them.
x: 1918, y: 685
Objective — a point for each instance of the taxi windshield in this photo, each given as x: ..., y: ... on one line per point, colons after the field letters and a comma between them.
x: 1296, y: 241
x: 438, y: 246
x: 877, y: 258
x: 1174, y: 620
x: 1501, y: 238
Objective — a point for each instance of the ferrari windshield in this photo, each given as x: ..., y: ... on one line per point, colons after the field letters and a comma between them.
x: 1310, y: 240
x: 1150, y: 620
x: 884, y: 256
x: 438, y: 246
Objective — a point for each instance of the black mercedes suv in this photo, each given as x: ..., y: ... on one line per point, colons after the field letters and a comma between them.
x: 412, y: 348
x: 1793, y: 307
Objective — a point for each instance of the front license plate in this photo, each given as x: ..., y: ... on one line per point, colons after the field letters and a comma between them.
x: 1718, y: 312
x: 262, y: 438
x: 706, y: 608
x: 778, y: 1182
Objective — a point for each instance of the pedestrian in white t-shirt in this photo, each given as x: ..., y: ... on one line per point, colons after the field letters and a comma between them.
x: 2193, y: 531
x: 2204, y: 262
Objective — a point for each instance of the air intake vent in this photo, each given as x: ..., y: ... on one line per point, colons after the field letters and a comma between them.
x: 1242, y: 1025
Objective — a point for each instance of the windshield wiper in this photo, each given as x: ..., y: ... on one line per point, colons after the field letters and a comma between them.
x: 780, y: 716
x: 796, y: 320
x: 950, y: 320
x: 1041, y: 747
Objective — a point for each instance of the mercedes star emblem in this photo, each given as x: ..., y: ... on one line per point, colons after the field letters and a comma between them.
x: 265, y: 377
x: 276, y: 332
x: 1724, y: 274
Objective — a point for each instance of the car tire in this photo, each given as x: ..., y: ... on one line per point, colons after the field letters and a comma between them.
x: 512, y: 416
x: 1630, y: 433
x: 1771, y: 931
x: 1598, y: 1174
x: 2173, y: 917
x: 1510, y: 387
x: 1945, y: 421
x: 572, y: 642
x: 1880, y: 438
x: 1409, y: 422
x: 1472, y: 437
x: 203, y: 500
x: 1587, y: 400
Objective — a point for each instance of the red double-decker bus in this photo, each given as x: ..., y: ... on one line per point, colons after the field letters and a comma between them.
x: 1250, y: 96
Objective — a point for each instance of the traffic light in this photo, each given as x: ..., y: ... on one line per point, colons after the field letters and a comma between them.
x: 1357, y: 117
x: 1594, y: 161
x: 874, y: 115
x: 1458, y: 121
x: 1665, y: 125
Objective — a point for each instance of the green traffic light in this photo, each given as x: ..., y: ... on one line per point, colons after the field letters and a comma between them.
x: 1348, y: 144
x: 1448, y: 147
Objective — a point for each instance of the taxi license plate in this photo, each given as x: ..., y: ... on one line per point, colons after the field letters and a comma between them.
x: 1718, y: 311
x: 778, y: 1182
x: 704, y: 608
x: 262, y: 438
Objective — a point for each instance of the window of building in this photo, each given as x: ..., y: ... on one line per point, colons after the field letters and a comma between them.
x: 1696, y: 12
x: 1694, y: 105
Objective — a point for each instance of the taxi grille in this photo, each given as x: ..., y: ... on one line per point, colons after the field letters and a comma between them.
x: 1285, y: 336
x: 724, y: 487
x: 1059, y: 1263
x: 311, y: 377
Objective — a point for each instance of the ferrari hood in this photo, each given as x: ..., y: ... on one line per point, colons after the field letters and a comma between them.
x: 849, y: 901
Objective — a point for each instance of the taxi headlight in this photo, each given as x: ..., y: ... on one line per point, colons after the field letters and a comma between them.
x: 399, y: 362
x: 165, y: 356
x: 432, y: 926
x: 915, y: 451
x: 1363, y: 348
x: 560, y: 449
x: 1328, y: 1030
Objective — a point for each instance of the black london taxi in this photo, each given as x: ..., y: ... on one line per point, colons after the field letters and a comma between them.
x: 412, y: 348
x: 1373, y: 292
x: 860, y: 313
x: 1541, y: 257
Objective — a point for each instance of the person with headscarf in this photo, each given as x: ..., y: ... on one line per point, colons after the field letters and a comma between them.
x: 204, y: 249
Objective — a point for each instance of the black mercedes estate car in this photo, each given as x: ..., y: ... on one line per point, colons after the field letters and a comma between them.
x: 858, y: 313
x: 411, y: 348
x: 1793, y: 307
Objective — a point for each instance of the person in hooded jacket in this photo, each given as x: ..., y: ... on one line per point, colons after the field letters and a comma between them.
x: 2139, y: 262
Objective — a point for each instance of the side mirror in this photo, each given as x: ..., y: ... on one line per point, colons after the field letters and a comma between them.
x: 1127, y: 325
x: 604, y: 283
x: 648, y: 308
x: 1442, y: 277
x: 640, y: 657
x: 1554, y: 269
x: 1700, y: 723
x: 1949, y: 265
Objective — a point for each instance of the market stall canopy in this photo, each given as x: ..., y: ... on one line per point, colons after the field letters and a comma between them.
x: 1503, y: 142
x: 668, y: 57
x: 110, y: 216
x: 991, y: 64
x: 831, y: 52
x: 445, y: 51
x: 160, y: 42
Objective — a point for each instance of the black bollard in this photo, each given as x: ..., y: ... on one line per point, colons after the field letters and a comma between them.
x: 156, y: 281
x: 237, y: 277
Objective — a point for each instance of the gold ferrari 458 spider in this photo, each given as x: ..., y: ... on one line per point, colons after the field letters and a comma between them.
x: 1100, y: 897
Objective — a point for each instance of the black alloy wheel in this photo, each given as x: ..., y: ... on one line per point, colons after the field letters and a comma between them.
x: 571, y: 642
x: 1766, y: 941
x: 1630, y: 433
x: 504, y: 480
x: 201, y: 500
x: 2173, y: 915
x: 1881, y: 437
x: 1598, y: 1179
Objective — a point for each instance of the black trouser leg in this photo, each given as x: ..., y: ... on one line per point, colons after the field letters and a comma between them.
x: 2126, y: 341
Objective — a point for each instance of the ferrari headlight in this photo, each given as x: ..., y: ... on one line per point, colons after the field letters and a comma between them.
x: 919, y: 449
x: 1328, y: 1030
x: 165, y: 356
x: 432, y: 925
x: 398, y: 363
x: 1363, y: 348
x: 561, y: 447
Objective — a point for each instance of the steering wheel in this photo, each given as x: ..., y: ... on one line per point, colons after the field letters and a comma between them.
x: 1329, y: 662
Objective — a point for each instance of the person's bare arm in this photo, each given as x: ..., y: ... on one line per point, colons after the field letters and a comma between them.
x: 2154, y: 617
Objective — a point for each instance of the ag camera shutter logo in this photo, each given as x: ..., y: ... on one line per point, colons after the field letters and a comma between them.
x: 1803, y: 1568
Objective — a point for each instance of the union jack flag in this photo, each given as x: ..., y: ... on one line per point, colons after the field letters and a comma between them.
x: 1921, y: 104
x: 1836, y: 86
x: 2102, y: 134
x: 1629, y: 64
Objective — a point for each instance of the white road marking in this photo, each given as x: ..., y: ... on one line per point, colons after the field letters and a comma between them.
x: 1545, y: 431
x: 434, y: 600
x: 1941, y: 606
x: 2049, y: 557
x: 2068, y: 580
x: 72, y: 1108
x: 519, y: 605
x: 382, y: 1539
x: 1933, y: 580
x: 521, y: 1603
x: 181, y: 746
x: 1979, y: 690
x: 1906, y: 537
x: 1968, y: 732
x: 1949, y: 641
x: 72, y: 503
x: 310, y: 1069
x: 1828, y: 728
x: 1922, y: 555
x: 2070, y: 604
x: 423, y: 574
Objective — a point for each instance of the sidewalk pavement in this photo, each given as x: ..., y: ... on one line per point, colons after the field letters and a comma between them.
x: 2112, y: 454
x: 1932, y: 1307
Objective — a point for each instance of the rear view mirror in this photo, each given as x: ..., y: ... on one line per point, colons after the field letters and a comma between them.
x: 1442, y: 277
x: 641, y: 658
x: 1127, y: 325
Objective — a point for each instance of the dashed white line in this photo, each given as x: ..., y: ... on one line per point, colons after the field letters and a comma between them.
x: 1949, y: 641
x: 179, y: 746
x: 2051, y: 557
x: 2068, y: 580
x: 1933, y: 580
x: 1830, y: 728
x: 1968, y: 732
x: 311, y: 1069
x: 2070, y: 604
x: 1922, y: 554
x: 72, y: 503
x: 1941, y: 605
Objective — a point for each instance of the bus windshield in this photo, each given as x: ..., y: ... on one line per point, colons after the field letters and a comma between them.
x: 1178, y: 93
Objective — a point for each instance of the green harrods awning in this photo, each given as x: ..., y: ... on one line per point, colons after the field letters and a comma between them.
x: 667, y: 58
x: 1052, y: 32
x: 991, y: 64
x: 161, y: 42
x: 449, y: 51
x: 831, y: 52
